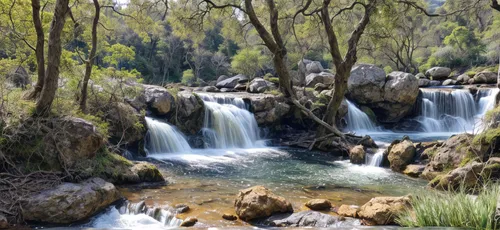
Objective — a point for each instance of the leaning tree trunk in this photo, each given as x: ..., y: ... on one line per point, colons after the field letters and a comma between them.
x: 340, y: 87
x: 40, y: 60
x: 90, y: 61
x: 49, y: 89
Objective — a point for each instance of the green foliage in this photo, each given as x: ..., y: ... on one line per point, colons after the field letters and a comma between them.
x: 452, y: 209
x: 274, y: 92
x: 188, y: 77
x: 388, y: 69
x: 248, y: 62
x: 120, y: 55
x: 274, y: 80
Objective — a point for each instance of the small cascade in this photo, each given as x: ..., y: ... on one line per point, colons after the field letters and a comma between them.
x: 376, y: 159
x: 228, y: 123
x: 453, y: 111
x: 164, y: 138
x: 137, y: 216
x: 357, y: 119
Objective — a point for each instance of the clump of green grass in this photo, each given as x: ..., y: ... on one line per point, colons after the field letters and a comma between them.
x: 453, y: 209
x: 274, y: 92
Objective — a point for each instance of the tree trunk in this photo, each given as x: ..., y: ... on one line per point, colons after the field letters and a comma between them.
x: 90, y: 62
x: 279, y: 62
x: 49, y: 89
x: 40, y: 41
x: 340, y: 87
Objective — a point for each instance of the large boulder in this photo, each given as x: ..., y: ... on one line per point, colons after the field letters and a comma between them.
x: 269, y: 109
x: 391, y: 97
x: 70, y: 202
x: 158, y: 100
x: 467, y: 176
x: 463, y: 79
x: 126, y: 124
x: 449, y: 155
x: 257, y: 202
x: 383, y: 210
x: 322, y: 77
x: 308, y: 219
x: 318, y: 204
x: 314, y: 67
x: 221, y: 78
x: 357, y: 154
x: 19, y: 77
x: 147, y: 172
x: 348, y: 210
x: 434, y: 83
x: 485, y: 77
x: 422, y: 82
x: 438, y: 73
x: 400, y: 155
x: 232, y: 81
x: 258, y: 85
x: 297, y: 79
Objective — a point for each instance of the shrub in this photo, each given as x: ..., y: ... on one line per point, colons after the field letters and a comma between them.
x: 188, y: 77
x: 452, y: 209
x: 274, y: 80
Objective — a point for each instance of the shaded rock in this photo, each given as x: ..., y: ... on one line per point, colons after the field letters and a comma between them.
x: 438, y: 73
x: 304, y: 219
x: 147, y: 172
x: 348, y: 210
x: 258, y: 85
x: 229, y: 217
x: 414, y: 170
x: 257, y: 202
x: 189, y: 222
x: 3, y: 222
x: 400, y: 155
x: 297, y: 79
x: 449, y: 155
x: 314, y: 67
x: 221, y: 78
x: 467, y: 176
x: 228, y: 83
x: 302, y: 70
x: 70, y: 202
x: 357, y: 154
x: 318, y: 204
x: 422, y: 82
x: 323, y: 78
x: 182, y: 208
x: 383, y: 210
x: 210, y: 89
x: 123, y: 121
x: 320, y: 87
x: 19, y: 77
x: 485, y: 77
x: 463, y: 79
x: 449, y: 82
x: 434, y: 83
x: 241, y: 87
x: 190, y: 113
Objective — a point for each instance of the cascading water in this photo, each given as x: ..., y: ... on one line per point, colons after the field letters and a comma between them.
x: 455, y: 111
x: 164, y: 138
x: 358, y: 120
x: 228, y: 124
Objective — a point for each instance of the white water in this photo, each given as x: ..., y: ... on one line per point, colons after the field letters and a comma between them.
x: 228, y: 124
x: 455, y: 111
x: 164, y: 138
x: 357, y: 120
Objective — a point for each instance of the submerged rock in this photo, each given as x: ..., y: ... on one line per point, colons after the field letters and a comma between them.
x: 308, y: 219
x: 189, y: 222
x: 318, y: 204
x: 383, y: 210
x: 70, y: 202
x: 182, y: 208
x: 357, y: 154
x: 257, y: 202
x: 438, y: 73
x: 229, y: 217
x: 401, y: 154
x: 147, y: 172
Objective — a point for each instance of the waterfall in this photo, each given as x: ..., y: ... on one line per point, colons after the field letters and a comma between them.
x: 228, y: 124
x: 376, y: 159
x: 164, y: 138
x: 357, y: 119
x: 453, y: 111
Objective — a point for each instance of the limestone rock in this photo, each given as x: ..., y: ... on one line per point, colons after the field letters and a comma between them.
x: 257, y: 85
x: 383, y: 210
x: 449, y: 82
x: 438, y: 73
x: 318, y: 204
x: 450, y: 154
x: 147, y: 172
x: 348, y: 210
x: 400, y: 155
x: 322, y: 77
x: 159, y: 100
x: 463, y: 79
x: 357, y: 154
x: 190, y: 113
x: 70, y: 202
x: 257, y: 202
x: 414, y: 170
x: 485, y: 77
x: 366, y: 84
x: 467, y: 176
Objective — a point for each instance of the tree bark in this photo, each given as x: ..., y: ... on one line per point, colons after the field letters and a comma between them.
x: 90, y: 61
x: 49, y: 89
x: 39, y: 52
